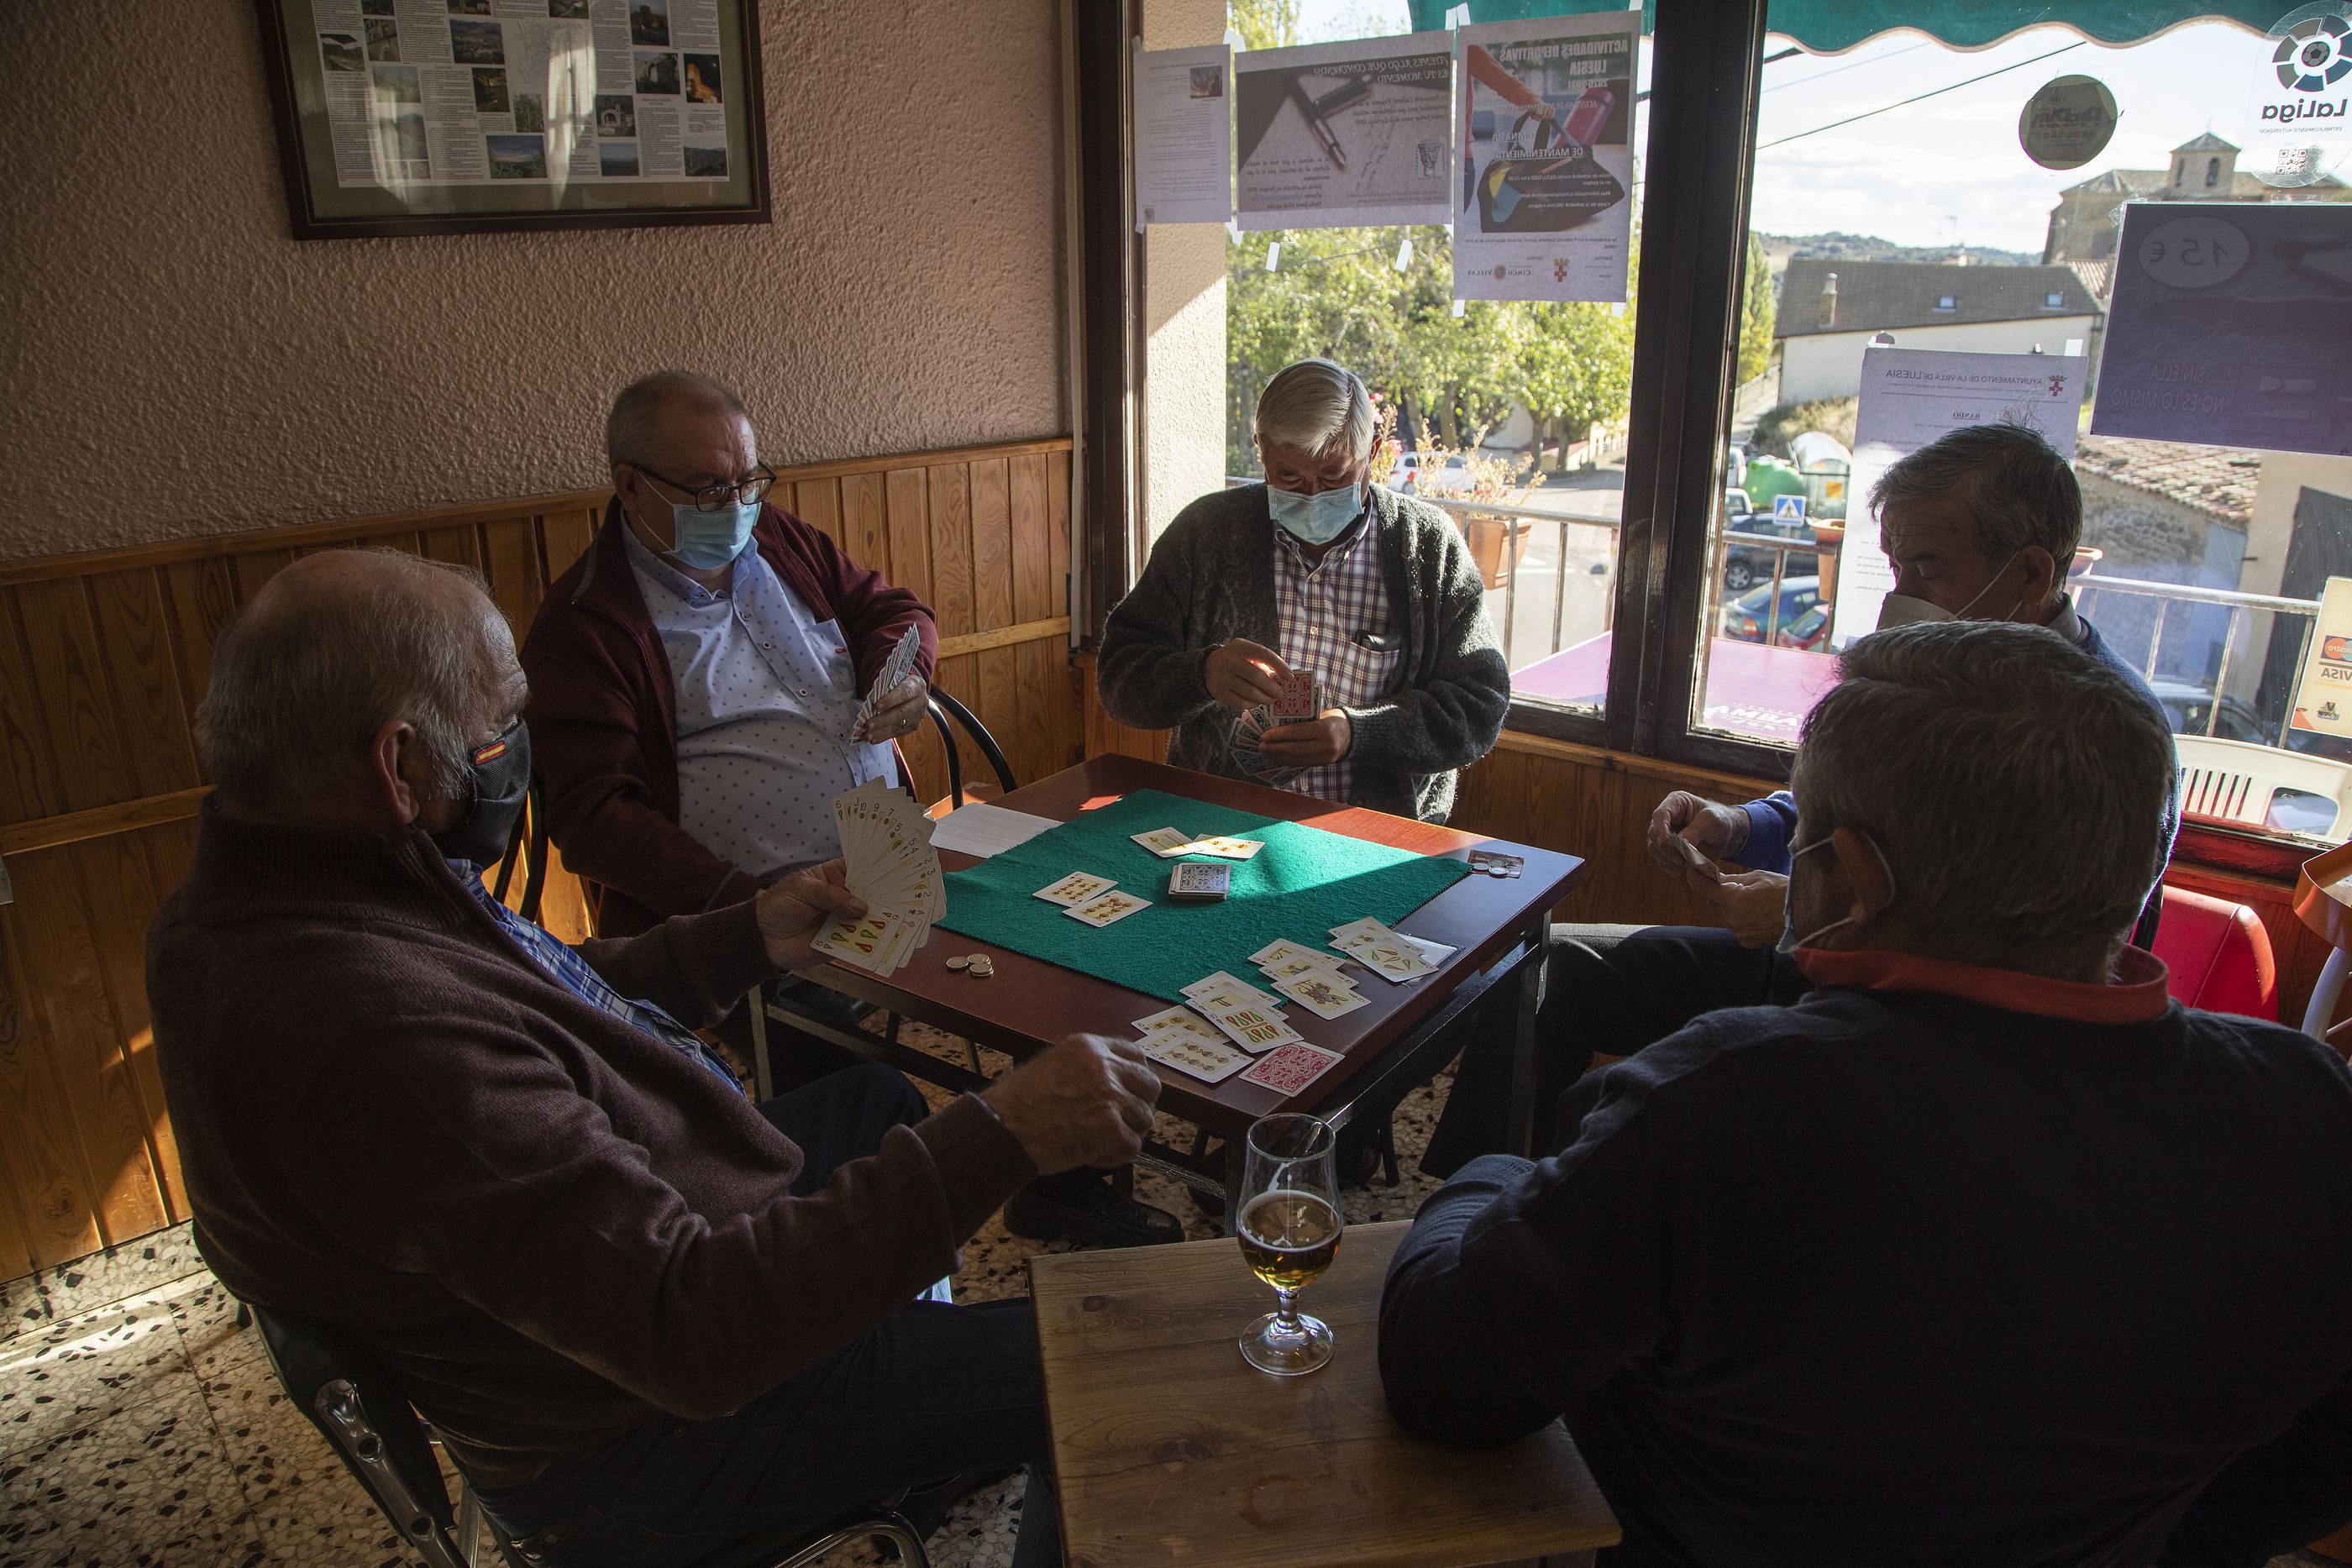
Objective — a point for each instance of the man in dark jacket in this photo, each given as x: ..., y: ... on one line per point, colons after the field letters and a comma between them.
x: 1316, y: 572
x: 508, y: 1167
x: 695, y: 684
x: 1984, y: 1252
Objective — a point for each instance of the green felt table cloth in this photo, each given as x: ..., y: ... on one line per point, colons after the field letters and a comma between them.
x: 1304, y: 882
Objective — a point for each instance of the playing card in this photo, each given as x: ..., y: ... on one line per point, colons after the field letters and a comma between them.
x: 1222, y: 983
x: 1201, y: 884
x: 1078, y: 888
x: 1698, y: 860
x: 1297, y: 699
x: 1494, y: 863
x: 1110, y: 908
x: 1253, y: 1029
x: 866, y: 942
x: 1285, y: 951
x: 1292, y: 1067
x: 1226, y: 848
x: 888, y: 862
x: 1212, y: 1059
x: 1165, y: 842
x: 896, y: 667
x: 1177, y: 1018
x: 1387, y: 954
x: 1295, y: 969
x: 1322, y: 996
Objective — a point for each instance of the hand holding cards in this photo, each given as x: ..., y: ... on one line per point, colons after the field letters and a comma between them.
x: 888, y: 862
x: 890, y: 676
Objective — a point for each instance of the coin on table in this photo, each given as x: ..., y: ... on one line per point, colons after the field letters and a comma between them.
x: 983, y: 968
x: 958, y: 962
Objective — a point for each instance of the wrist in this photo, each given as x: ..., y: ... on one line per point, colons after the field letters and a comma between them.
x: 1736, y: 825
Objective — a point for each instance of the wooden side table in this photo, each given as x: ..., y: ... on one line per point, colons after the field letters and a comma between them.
x: 2323, y: 901
x: 1170, y: 1448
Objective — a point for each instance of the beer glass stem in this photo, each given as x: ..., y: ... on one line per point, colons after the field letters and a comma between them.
x: 1285, y: 1310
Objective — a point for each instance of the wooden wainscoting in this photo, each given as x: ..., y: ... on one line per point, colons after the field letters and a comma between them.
x: 103, y: 658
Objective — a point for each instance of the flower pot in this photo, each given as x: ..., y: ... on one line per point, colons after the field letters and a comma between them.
x: 1497, y: 545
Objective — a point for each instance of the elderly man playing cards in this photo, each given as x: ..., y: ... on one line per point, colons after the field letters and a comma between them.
x: 1317, y: 630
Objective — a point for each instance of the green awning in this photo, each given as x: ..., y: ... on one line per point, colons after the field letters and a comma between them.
x: 1832, y: 26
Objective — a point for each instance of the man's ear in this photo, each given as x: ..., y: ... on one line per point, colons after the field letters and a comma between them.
x: 396, y: 759
x: 2043, y: 579
x: 1861, y: 870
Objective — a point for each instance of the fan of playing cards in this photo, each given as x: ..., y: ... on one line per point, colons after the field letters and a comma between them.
x: 894, y: 671
x: 1301, y: 699
x: 885, y: 841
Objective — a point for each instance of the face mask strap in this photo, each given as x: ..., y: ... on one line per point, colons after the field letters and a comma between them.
x: 1791, y: 941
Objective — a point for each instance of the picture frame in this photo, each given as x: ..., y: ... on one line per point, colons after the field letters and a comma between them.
x: 502, y: 115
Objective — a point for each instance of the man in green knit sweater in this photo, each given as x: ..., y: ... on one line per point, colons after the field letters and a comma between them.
x: 1319, y: 572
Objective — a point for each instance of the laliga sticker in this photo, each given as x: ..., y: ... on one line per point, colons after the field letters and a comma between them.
x: 2301, y: 108
x: 2068, y: 122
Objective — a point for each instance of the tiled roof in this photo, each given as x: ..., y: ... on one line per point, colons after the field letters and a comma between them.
x: 1889, y: 296
x: 2219, y: 481
x: 2208, y: 142
x: 2123, y: 182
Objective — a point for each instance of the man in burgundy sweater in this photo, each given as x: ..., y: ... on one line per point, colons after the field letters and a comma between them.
x: 645, y: 1317
x: 695, y: 683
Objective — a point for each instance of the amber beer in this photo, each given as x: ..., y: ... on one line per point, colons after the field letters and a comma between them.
x: 1288, y: 1238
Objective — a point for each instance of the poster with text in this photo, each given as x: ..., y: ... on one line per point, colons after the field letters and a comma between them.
x: 2231, y: 324
x: 546, y: 92
x: 1544, y: 157
x: 1909, y: 398
x: 1183, y: 136
x: 2322, y: 697
x: 1332, y: 135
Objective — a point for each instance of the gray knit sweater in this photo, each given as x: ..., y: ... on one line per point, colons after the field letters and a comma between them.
x: 1211, y: 579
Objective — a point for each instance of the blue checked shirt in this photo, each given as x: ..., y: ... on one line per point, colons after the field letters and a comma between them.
x: 568, y: 969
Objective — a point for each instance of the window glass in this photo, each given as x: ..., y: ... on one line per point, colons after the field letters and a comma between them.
x: 1894, y: 202
x: 1512, y: 417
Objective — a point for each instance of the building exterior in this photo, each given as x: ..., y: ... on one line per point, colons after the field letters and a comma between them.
x: 1830, y: 311
x: 2088, y: 216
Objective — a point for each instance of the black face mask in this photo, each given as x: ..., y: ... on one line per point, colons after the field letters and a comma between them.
x: 498, y: 775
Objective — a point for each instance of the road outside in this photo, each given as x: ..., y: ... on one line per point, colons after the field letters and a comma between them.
x: 1522, y: 609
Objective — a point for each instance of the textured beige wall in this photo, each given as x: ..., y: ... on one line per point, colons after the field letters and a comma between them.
x: 161, y: 328
x: 1183, y: 320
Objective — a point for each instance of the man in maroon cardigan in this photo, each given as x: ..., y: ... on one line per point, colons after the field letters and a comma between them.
x: 695, y: 709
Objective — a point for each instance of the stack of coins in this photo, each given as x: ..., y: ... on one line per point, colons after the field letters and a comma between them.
x: 983, y: 965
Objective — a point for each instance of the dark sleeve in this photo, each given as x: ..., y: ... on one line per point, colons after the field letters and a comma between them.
x: 2270, y: 1501
x: 693, y: 967
x: 584, y: 727
x: 1148, y: 672
x: 1452, y: 717
x: 873, y: 615
x: 1521, y: 1287
x: 467, y: 1154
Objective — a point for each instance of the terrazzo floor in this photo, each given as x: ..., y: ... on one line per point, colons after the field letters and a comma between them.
x: 138, y: 1425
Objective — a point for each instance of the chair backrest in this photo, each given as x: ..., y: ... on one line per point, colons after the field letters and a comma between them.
x: 2235, y: 782
x: 357, y: 1404
x: 2218, y: 954
x: 943, y: 706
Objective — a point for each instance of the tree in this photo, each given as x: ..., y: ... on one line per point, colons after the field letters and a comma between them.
x: 1263, y: 24
x: 1758, y: 313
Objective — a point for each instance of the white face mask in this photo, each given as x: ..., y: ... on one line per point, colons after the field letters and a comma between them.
x: 1790, y: 940
x: 1903, y: 610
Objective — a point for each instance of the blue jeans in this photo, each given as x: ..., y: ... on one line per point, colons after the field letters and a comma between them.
x: 932, y: 1391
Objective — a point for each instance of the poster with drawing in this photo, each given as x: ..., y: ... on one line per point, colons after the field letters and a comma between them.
x: 1335, y: 135
x: 1545, y: 161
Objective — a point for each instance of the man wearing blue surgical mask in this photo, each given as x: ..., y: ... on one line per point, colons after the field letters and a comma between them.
x: 1319, y: 574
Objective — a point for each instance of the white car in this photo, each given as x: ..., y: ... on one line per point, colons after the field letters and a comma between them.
x: 1409, y: 478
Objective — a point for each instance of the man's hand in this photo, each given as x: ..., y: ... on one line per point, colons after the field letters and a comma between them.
x: 793, y: 911
x: 1085, y: 1102
x: 898, y: 712
x: 1719, y: 831
x: 1750, y: 905
x: 1310, y: 743
x: 1240, y: 675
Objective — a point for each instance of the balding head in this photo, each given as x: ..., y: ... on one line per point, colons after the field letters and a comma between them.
x: 634, y: 431
x: 343, y: 653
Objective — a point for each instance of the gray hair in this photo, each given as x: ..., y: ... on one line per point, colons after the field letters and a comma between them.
x: 629, y: 428
x: 2016, y: 785
x: 298, y: 688
x: 1315, y: 407
x: 2018, y: 490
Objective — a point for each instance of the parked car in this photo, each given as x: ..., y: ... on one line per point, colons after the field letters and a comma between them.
x: 1810, y: 631
x: 2188, y: 706
x: 1749, y: 617
x: 1415, y: 475
x: 1744, y: 566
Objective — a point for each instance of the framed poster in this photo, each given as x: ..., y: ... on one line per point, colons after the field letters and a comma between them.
x: 415, y: 116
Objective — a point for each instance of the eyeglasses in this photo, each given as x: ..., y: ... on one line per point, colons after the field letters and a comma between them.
x: 753, y: 488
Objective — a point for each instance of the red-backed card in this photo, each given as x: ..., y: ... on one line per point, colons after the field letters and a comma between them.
x: 1288, y: 1068
x: 1297, y: 699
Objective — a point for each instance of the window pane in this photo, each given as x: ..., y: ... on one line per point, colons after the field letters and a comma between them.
x: 1892, y: 196
x: 1510, y: 416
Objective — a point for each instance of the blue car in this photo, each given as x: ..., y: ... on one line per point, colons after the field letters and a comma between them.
x: 1749, y: 617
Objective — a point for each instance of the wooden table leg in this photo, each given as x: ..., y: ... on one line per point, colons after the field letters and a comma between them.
x: 1521, y: 1126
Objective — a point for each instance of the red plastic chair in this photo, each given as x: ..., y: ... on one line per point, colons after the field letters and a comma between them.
x: 2218, y: 954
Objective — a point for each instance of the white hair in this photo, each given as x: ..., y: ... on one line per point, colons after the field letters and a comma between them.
x: 1315, y: 407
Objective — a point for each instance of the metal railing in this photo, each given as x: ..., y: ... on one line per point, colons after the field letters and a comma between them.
x: 2237, y: 603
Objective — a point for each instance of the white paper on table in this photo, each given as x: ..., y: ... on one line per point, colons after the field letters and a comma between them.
x: 1390, y: 109
x: 983, y: 830
x: 1183, y: 135
x: 1909, y: 398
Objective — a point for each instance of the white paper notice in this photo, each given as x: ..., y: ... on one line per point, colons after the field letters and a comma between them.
x: 1332, y: 135
x: 2232, y: 324
x: 530, y: 91
x: 1545, y: 161
x: 1910, y: 397
x: 1183, y: 136
x: 984, y: 830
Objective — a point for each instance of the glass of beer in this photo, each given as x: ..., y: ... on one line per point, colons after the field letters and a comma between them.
x: 1287, y: 1217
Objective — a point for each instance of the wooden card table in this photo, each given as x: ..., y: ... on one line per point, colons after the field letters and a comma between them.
x: 1170, y: 1449
x: 1496, y: 924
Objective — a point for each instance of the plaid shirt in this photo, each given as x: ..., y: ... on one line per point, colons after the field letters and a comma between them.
x: 1319, y: 609
x: 571, y: 971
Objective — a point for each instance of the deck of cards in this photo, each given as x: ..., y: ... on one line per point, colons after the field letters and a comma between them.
x: 890, y: 676
x: 886, y: 844
x: 1193, y: 882
x: 1302, y: 698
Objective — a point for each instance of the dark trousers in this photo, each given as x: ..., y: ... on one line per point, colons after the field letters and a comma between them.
x: 933, y: 1391
x: 1607, y: 989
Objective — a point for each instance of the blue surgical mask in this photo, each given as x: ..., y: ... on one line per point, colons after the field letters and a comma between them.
x: 1317, y: 518
x: 708, y: 541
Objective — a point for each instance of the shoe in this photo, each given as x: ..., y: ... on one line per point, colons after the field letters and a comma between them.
x: 1093, y: 1211
x: 927, y: 1507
